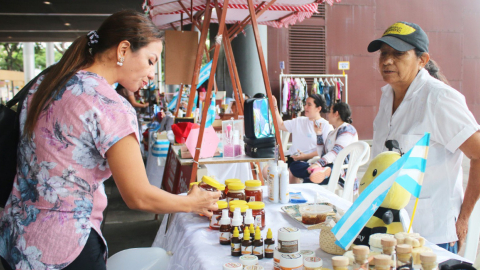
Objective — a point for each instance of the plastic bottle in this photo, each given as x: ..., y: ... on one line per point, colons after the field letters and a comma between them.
x: 269, y: 244
x: 273, y: 188
x: 236, y: 250
x: 284, y: 181
x: 249, y: 219
x: 225, y: 228
x: 246, y: 243
x: 237, y: 222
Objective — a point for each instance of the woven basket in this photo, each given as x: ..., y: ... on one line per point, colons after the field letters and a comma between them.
x: 327, y: 241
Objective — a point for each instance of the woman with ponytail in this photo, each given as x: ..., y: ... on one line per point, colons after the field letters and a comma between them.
x: 340, y: 137
x: 76, y: 132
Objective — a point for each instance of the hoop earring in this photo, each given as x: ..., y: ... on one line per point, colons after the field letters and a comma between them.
x: 120, y: 62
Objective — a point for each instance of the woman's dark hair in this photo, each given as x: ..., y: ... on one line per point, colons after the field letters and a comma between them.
x: 344, y: 111
x: 319, y: 101
x: 434, y: 70
x: 128, y: 25
x: 259, y: 95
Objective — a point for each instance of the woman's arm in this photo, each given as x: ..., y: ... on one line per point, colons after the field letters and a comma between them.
x: 135, y: 104
x: 125, y: 161
x: 280, y: 123
x: 345, y: 136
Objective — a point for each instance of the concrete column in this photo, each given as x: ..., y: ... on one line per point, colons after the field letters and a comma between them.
x: 50, y: 54
x: 28, y: 61
x: 246, y: 57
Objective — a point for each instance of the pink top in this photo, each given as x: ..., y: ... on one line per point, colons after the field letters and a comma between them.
x: 58, y: 193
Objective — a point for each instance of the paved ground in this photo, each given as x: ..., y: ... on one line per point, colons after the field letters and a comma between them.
x: 124, y: 228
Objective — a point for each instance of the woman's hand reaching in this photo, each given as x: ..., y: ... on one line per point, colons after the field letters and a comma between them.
x: 202, y: 201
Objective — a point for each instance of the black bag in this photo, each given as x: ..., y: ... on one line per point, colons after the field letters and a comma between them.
x: 9, y: 136
x: 260, y: 148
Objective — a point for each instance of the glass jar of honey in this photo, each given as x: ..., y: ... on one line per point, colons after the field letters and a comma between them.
x: 237, y: 202
x: 223, y: 197
x: 236, y: 191
x: 209, y: 184
x: 253, y: 191
x: 217, y: 215
x: 229, y: 181
x: 258, y: 213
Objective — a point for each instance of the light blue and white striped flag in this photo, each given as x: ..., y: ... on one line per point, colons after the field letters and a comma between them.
x: 204, y: 73
x: 408, y: 171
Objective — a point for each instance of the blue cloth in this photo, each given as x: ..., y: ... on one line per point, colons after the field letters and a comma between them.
x: 447, y: 246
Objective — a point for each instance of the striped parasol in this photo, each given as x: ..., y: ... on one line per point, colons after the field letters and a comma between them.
x: 282, y: 13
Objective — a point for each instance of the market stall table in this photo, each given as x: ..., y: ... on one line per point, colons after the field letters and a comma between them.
x: 176, y: 177
x: 195, y: 246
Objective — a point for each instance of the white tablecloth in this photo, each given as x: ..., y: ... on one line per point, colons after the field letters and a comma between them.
x: 195, y: 246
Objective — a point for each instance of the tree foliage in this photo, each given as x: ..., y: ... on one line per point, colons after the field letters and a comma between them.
x: 11, y: 55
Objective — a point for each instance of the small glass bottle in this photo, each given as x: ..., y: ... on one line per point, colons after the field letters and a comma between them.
x: 253, y: 191
x: 429, y: 261
x: 251, y: 228
x: 247, y: 248
x: 217, y: 214
x: 360, y: 253
x: 236, y: 250
x: 236, y: 191
x: 388, y: 248
x: 225, y: 228
x: 340, y: 263
x: 258, y: 244
x: 269, y: 244
x: 404, y: 257
x: 383, y: 262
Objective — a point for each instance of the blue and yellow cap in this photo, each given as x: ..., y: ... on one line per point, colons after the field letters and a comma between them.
x: 402, y: 36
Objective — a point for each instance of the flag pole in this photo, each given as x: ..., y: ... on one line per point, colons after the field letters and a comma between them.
x: 413, y: 215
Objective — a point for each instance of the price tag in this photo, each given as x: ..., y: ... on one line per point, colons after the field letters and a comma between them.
x: 343, y: 65
x: 282, y: 64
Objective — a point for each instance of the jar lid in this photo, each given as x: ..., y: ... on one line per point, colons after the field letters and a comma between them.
x: 404, y: 248
x: 237, y: 202
x: 428, y: 257
x: 232, y: 266
x: 254, y: 267
x: 361, y: 250
x: 291, y: 260
x: 389, y: 242
x: 243, y: 208
x: 236, y: 186
x: 222, y: 204
x: 210, y: 181
x: 307, y: 253
x: 233, y: 180
x: 248, y: 260
x: 221, y: 187
x: 312, y: 262
x: 256, y: 205
x: 288, y: 234
x: 253, y: 183
x: 194, y: 183
x: 339, y: 261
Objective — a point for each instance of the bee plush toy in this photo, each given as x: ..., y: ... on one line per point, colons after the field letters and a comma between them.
x: 387, y: 217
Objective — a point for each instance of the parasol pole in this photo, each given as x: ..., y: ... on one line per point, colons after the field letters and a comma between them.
x: 413, y: 216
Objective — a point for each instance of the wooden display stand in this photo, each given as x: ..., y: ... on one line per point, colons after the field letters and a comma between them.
x: 224, y: 37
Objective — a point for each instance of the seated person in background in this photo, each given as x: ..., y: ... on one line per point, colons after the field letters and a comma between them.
x: 342, y: 135
x: 304, y: 139
x: 129, y: 96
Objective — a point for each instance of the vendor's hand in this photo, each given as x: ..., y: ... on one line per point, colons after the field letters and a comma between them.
x: 145, y: 105
x: 462, y: 229
x: 202, y: 201
x: 318, y: 130
x: 299, y: 156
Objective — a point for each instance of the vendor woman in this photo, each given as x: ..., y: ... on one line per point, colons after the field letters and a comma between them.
x: 412, y: 103
x: 304, y: 137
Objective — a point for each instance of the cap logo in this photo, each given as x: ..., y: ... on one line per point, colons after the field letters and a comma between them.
x: 399, y: 29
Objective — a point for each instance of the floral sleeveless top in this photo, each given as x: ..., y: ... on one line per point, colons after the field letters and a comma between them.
x: 58, y: 194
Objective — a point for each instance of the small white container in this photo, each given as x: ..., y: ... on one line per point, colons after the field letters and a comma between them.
x: 312, y: 263
x: 276, y: 259
x: 248, y: 260
x: 232, y: 266
x: 292, y: 261
x: 288, y: 239
x: 307, y: 253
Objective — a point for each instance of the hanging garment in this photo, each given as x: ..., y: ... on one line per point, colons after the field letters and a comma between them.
x: 321, y: 87
x: 299, y: 96
x: 305, y: 89
x: 339, y: 93
x: 314, y: 87
x: 327, y: 95
x: 285, y: 94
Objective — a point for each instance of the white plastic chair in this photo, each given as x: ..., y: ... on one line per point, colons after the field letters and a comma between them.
x: 359, y: 155
x: 139, y: 259
x: 285, y: 135
x: 473, y: 234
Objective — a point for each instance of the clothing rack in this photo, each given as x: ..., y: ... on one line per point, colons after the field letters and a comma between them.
x: 282, y: 76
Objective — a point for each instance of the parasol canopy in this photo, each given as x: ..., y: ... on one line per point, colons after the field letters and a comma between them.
x: 282, y: 13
